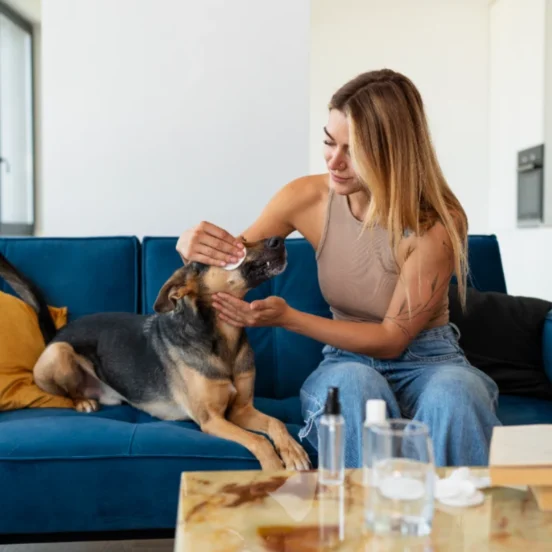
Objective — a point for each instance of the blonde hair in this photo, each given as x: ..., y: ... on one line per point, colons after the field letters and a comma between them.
x: 393, y: 157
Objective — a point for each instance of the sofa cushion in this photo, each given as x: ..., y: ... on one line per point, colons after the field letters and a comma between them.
x: 514, y: 410
x: 85, y: 274
x: 485, y: 264
x: 125, y: 464
x: 502, y: 335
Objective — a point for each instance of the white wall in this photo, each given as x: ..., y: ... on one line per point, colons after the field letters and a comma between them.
x: 157, y: 115
x: 443, y: 47
x: 517, y: 122
x: 154, y: 119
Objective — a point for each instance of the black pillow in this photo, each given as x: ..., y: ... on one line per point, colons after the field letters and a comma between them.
x: 502, y: 336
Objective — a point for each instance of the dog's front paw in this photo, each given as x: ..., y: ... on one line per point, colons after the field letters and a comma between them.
x: 267, y: 457
x: 294, y: 455
x: 271, y: 463
x: 86, y: 405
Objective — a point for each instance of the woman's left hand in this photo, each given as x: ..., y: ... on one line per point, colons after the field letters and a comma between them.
x: 271, y: 311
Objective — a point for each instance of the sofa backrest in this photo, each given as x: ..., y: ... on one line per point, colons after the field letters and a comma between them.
x: 86, y: 275
x: 119, y: 274
x: 485, y: 264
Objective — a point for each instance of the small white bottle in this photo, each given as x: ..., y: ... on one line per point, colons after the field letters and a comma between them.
x: 376, y: 414
x: 331, y: 441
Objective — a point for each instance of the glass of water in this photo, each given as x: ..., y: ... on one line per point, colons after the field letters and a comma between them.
x: 400, y: 500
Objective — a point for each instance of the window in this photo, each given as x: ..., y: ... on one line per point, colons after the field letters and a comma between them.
x: 17, y: 152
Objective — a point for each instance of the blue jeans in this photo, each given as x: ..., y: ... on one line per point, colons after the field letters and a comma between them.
x: 432, y: 382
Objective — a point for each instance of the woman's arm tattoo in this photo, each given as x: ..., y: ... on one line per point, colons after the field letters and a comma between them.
x: 406, y: 315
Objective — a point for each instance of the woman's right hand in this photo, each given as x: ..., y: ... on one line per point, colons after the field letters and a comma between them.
x: 209, y: 244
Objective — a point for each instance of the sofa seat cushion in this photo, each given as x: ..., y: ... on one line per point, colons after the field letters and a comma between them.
x: 516, y: 410
x: 115, y: 469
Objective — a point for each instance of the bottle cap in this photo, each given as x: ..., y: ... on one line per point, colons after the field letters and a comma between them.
x: 332, y: 402
x: 376, y: 410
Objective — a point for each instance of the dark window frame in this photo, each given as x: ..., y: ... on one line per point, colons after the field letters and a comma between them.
x: 23, y: 229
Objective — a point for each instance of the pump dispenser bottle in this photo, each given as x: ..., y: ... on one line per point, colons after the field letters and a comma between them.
x: 331, y: 441
x: 376, y: 414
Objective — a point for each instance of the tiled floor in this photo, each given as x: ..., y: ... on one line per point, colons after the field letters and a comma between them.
x: 112, y: 546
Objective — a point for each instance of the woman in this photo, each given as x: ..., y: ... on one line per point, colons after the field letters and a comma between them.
x: 388, y: 234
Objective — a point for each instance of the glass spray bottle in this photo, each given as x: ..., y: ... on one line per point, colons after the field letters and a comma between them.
x: 331, y: 441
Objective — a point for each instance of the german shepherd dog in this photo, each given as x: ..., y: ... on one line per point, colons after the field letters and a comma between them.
x: 181, y: 363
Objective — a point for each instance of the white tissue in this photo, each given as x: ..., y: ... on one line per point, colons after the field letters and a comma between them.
x: 461, y: 488
x: 233, y: 266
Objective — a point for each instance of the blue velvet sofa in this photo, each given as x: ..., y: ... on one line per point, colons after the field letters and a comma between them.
x: 119, y: 469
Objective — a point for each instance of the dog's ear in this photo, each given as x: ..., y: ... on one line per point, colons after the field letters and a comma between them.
x: 180, y: 285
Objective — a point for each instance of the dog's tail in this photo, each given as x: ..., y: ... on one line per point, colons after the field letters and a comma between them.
x: 31, y: 295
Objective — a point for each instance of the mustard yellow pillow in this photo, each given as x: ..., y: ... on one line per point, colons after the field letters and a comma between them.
x: 21, y: 343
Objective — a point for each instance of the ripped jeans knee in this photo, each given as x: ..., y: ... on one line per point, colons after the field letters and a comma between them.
x: 311, y: 410
x: 357, y: 381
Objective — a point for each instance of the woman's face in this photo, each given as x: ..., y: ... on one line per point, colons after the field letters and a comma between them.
x: 336, y: 154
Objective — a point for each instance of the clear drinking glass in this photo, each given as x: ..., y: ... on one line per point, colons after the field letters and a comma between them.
x: 400, y: 500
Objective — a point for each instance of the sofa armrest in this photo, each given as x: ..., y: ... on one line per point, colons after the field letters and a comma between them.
x: 547, y: 345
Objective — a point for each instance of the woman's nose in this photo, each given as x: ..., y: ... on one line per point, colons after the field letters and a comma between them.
x: 337, y: 163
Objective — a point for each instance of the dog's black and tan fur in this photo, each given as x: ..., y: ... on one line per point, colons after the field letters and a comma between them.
x: 181, y: 363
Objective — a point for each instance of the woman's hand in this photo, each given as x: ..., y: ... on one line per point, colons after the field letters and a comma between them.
x: 272, y: 311
x: 209, y: 244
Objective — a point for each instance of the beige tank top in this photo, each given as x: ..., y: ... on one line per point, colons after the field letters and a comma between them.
x: 357, y: 271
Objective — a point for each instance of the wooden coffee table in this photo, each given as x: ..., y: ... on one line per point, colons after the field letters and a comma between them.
x: 252, y: 511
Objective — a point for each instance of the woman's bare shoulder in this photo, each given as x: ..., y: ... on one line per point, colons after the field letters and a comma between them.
x: 433, y: 244
x: 308, y: 187
x: 288, y: 209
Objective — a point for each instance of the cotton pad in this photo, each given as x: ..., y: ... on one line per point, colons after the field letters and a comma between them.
x: 461, y: 488
x: 462, y: 501
x: 466, y: 475
x: 233, y: 266
x: 449, y: 488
